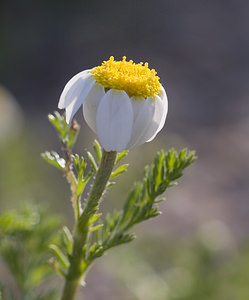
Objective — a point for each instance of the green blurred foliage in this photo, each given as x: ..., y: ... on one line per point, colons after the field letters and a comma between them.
x: 183, y: 269
x: 25, y: 237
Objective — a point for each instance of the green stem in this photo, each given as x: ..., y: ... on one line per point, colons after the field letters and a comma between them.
x: 102, y: 177
x: 75, y: 199
x: 78, y: 266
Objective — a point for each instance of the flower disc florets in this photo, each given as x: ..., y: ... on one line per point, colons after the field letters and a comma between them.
x: 134, y: 79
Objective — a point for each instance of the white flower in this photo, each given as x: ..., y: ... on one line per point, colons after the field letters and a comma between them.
x: 123, y: 103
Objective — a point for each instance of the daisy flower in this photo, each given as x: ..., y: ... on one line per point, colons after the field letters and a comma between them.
x: 123, y: 102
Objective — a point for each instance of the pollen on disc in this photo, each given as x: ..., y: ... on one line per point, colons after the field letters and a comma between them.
x: 134, y: 79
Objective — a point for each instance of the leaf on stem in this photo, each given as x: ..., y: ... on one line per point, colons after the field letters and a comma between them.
x: 54, y: 159
x: 121, y: 155
x: 92, y: 161
x: 142, y: 201
x: 72, y: 134
x: 119, y: 170
x: 97, y: 150
x: 67, y: 239
x: 59, y: 122
x: 61, y: 257
x: 93, y: 219
x: 97, y: 227
x: 67, y: 134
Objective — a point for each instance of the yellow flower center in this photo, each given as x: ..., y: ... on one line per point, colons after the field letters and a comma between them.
x: 135, y: 79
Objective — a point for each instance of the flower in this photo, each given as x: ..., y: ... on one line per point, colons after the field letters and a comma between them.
x: 123, y: 103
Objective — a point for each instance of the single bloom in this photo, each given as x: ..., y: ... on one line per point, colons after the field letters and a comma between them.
x: 123, y: 103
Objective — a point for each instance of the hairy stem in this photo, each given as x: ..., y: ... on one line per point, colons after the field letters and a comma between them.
x: 102, y: 177
x: 75, y: 199
x: 78, y: 266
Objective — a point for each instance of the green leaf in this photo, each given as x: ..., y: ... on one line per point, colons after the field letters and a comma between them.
x: 121, y: 155
x: 82, y: 182
x: 67, y: 133
x: 126, y: 238
x: 97, y: 227
x: 72, y: 134
x: 24, y: 247
x: 59, y: 122
x: 157, y: 170
x: 110, y: 184
x: 118, y: 240
x: 95, y: 251
x: 79, y: 162
x: 94, y: 218
x: 119, y: 170
x: 97, y: 150
x: 80, y: 186
x: 67, y: 239
x: 92, y: 161
x: 54, y: 159
x: 80, y: 165
x: 159, y: 200
x: 131, y: 202
x: 62, y: 259
x: 57, y: 267
x: 141, y: 202
x: 170, y: 160
x: 10, y: 223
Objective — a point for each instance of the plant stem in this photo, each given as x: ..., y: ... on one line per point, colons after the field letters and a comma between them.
x: 102, y: 177
x: 75, y: 199
x: 78, y: 266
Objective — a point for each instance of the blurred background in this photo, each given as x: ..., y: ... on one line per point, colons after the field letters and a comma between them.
x: 199, y: 247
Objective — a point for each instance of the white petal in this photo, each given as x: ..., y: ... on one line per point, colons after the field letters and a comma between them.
x: 164, y: 98
x: 72, y: 89
x: 137, y: 103
x: 73, y: 107
x: 157, y: 120
x: 146, y: 125
x: 114, y: 120
x: 162, y: 109
x: 90, y: 105
x: 143, y: 114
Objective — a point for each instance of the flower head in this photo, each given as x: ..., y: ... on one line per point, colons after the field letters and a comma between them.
x: 123, y: 103
x: 134, y: 79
